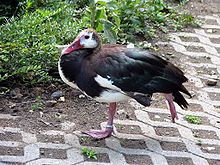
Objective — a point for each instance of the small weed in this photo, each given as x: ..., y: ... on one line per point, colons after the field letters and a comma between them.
x: 89, y: 153
x: 38, y: 105
x: 193, y: 119
x: 4, y: 90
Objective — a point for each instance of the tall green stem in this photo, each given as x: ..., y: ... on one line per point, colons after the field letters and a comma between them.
x: 93, y: 13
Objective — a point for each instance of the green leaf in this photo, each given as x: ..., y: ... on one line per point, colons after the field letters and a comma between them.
x: 100, y: 14
x: 117, y: 19
x: 193, y: 119
x: 100, y: 27
x: 102, y: 2
x: 109, y: 32
x: 89, y: 153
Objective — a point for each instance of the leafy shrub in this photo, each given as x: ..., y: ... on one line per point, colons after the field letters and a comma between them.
x: 7, y: 9
x: 124, y: 20
x: 28, y: 42
x: 27, y: 46
x: 144, y: 18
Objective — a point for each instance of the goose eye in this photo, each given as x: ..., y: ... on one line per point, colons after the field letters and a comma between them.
x: 86, y: 37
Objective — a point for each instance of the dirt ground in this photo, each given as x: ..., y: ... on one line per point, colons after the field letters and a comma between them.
x: 39, y: 111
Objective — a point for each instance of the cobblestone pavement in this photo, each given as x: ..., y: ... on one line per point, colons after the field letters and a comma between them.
x: 152, y: 138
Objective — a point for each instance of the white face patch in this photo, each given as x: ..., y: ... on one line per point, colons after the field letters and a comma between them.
x: 87, y: 41
x: 104, y: 82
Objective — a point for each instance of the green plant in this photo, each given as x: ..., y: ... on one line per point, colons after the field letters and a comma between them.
x: 28, y: 42
x: 4, y: 90
x: 7, y: 9
x: 142, y: 19
x: 98, y: 16
x: 27, y: 46
x: 193, y: 119
x: 89, y: 153
x: 38, y: 105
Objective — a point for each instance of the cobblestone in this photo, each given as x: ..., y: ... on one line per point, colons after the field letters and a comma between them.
x: 158, y: 141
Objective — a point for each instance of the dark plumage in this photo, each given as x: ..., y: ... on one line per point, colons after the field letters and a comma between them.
x: 132, y: 70
x: 104, y: 72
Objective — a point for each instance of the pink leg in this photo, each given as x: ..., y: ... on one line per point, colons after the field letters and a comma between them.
x: 172, y: 107
x: 100, y: 134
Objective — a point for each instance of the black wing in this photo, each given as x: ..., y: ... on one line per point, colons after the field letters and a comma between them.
x: 135, y: 70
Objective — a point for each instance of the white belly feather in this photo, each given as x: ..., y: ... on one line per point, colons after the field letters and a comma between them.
x: 114, y: 94
x: 111, y: 96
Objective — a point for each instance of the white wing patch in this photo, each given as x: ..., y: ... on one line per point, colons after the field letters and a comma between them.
x: 106, y: 83
x: 114, y: 94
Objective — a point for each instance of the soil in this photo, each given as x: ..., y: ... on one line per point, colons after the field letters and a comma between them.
x: 82, y: 111
x: 167, y: 131
x: 204, y: 134
x: 133, y: 143
x: 53, y: 153
x: 181, y: 161
x: 131, y: 129
x: 138, y: 159
x: 100, y: 158
x: 173, y: 146
x: 213, y: 162
x: 215, y: 149
x: 11, y: 151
